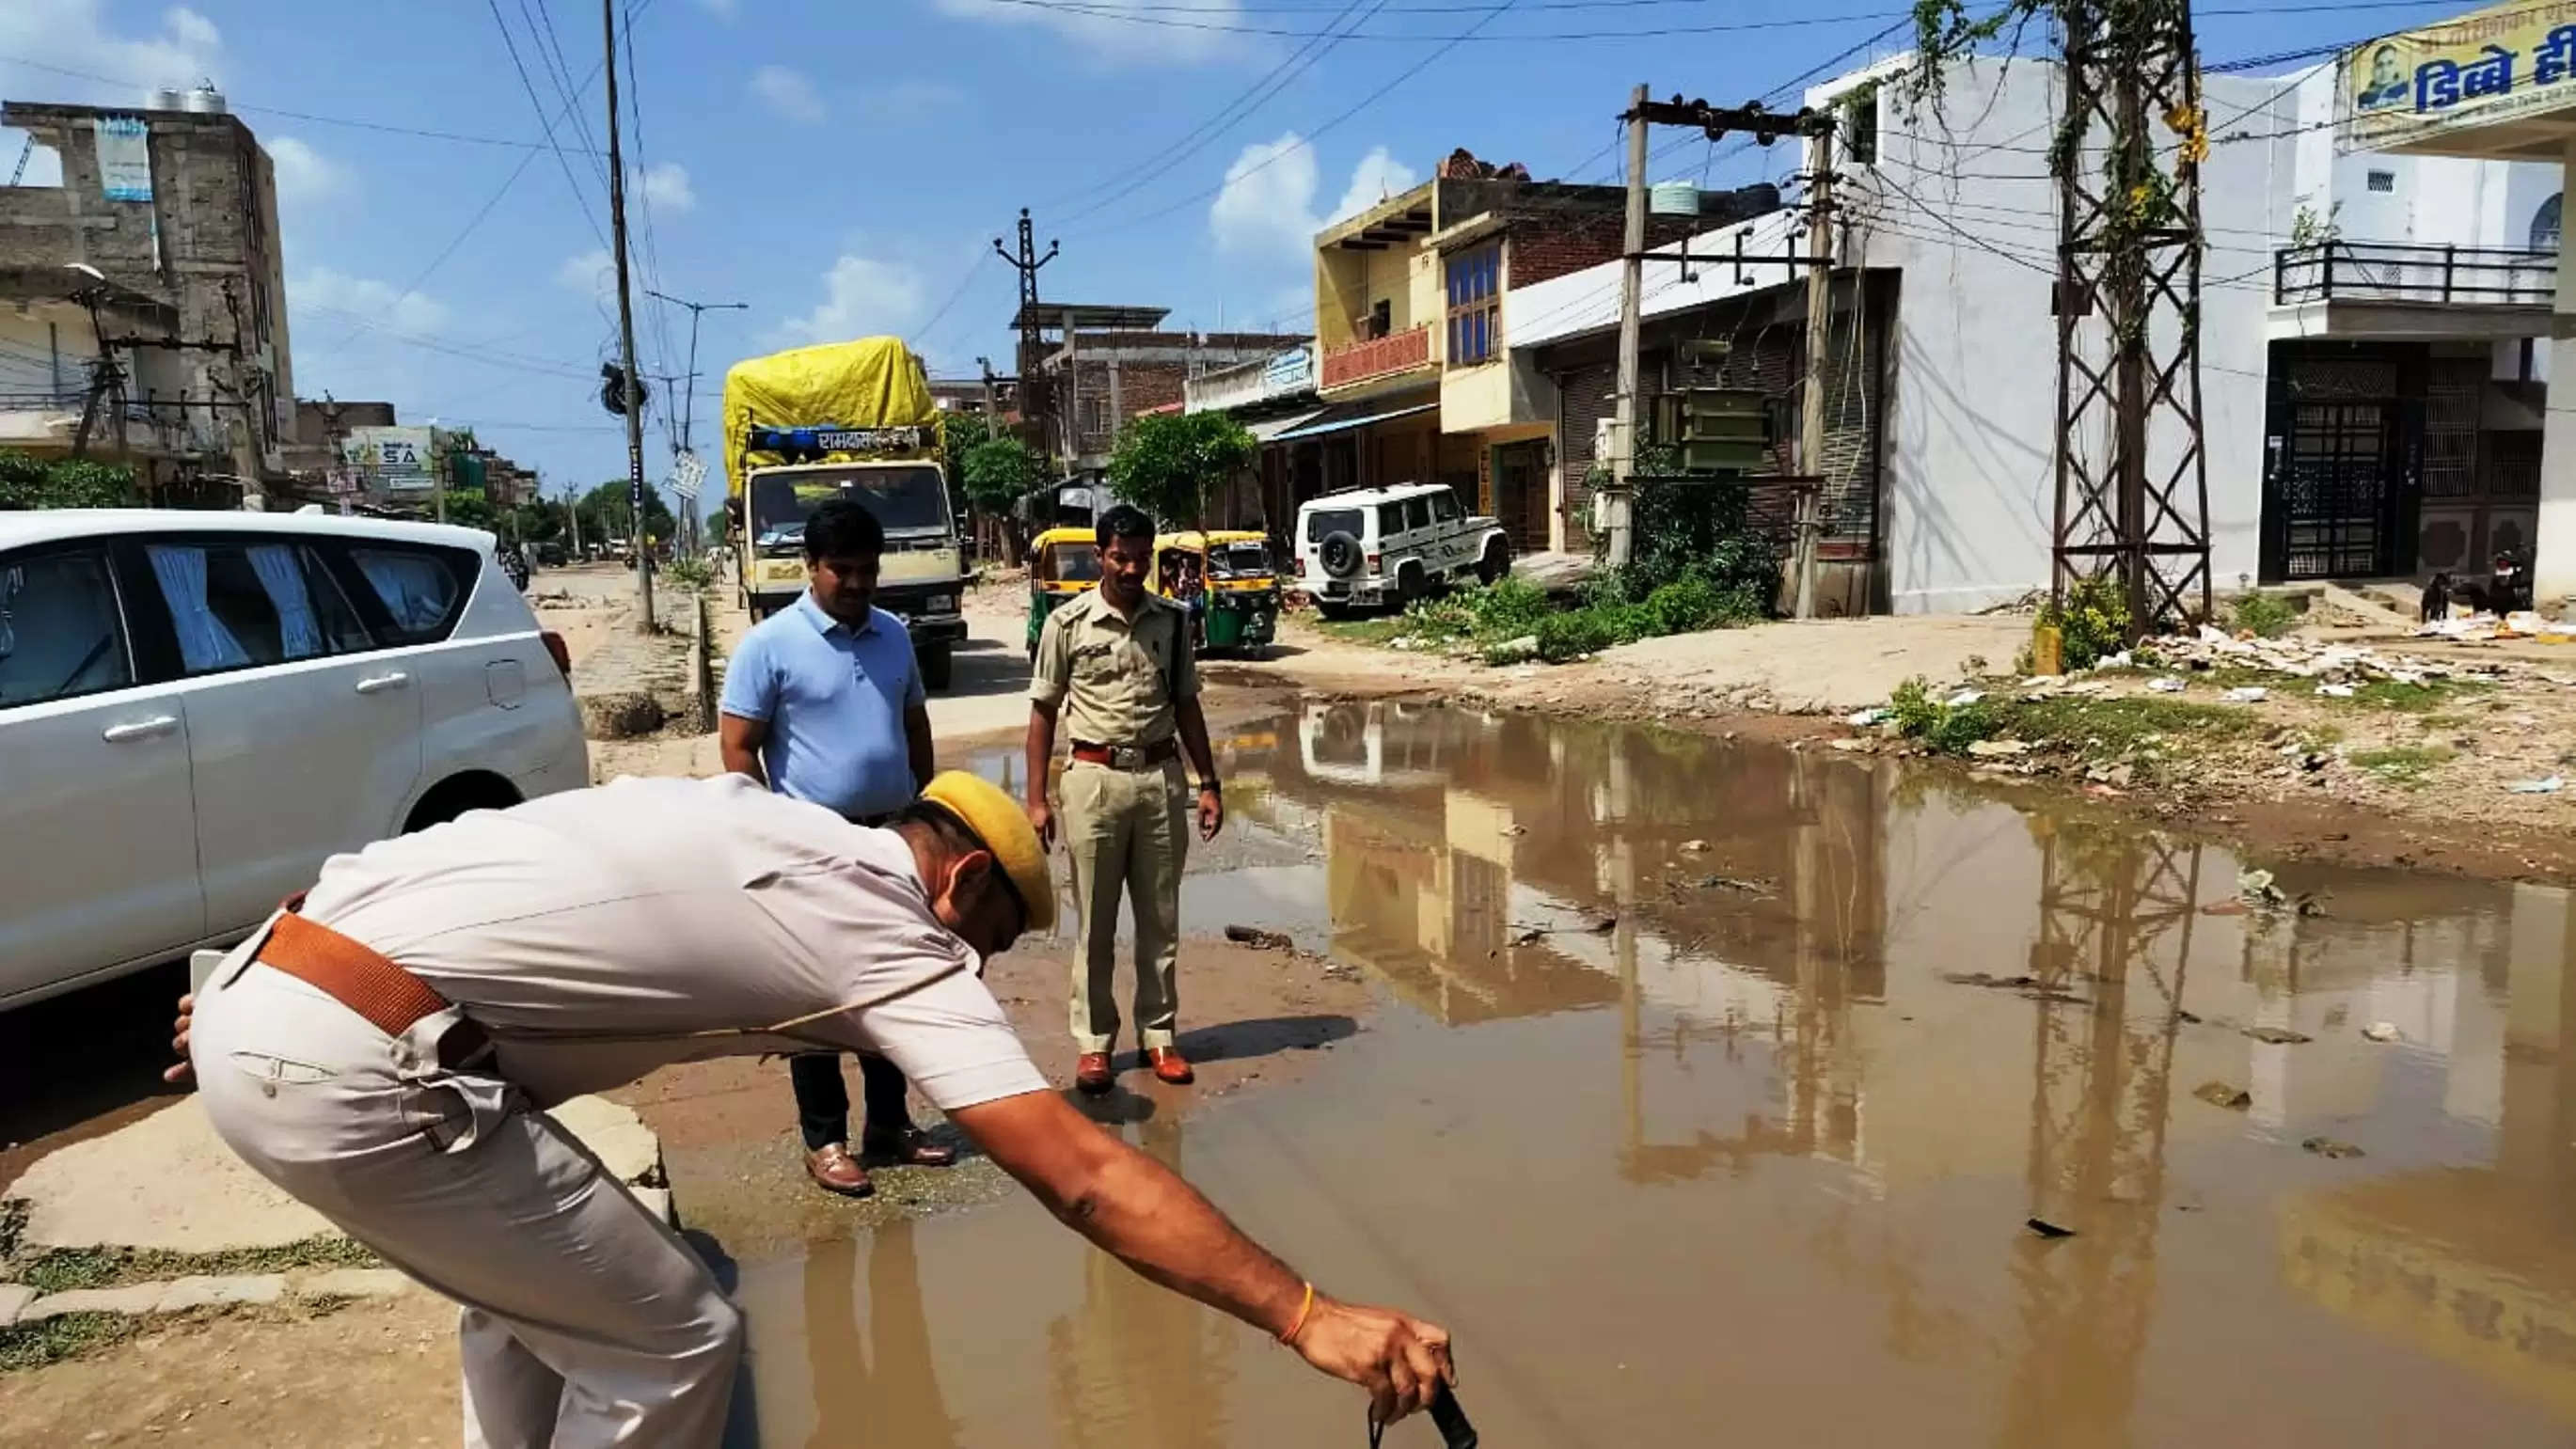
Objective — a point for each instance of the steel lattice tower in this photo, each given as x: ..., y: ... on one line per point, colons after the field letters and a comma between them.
x: 2132, y: 472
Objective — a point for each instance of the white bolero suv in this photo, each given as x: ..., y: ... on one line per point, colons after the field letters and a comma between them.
x: 1371, y: 546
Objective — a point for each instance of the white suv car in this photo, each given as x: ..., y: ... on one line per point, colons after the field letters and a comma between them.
x: 1372, y: 546
x: 197, y: 708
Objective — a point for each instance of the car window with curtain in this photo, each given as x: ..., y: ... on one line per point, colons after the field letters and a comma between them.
x: 418, y: 587
x: 237, y: 604
x: 60, y: 631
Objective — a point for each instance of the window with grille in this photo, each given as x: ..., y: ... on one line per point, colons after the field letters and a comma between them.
x: 2382, y: 180
x: 1475, y: 305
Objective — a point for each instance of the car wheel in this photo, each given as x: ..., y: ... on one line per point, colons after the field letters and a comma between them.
x: 1496, y: 562
x: 454, y: 796
x: 1411, y: 583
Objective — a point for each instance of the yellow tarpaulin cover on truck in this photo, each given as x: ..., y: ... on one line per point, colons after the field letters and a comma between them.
x: 874, y: 382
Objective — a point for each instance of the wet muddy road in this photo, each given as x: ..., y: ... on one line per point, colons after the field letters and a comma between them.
x: 1711, y: 1091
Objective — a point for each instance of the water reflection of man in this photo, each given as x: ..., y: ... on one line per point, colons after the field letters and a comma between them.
x: 1165, y: 1363
x: 887, y: 1391
x: 2387, y: 86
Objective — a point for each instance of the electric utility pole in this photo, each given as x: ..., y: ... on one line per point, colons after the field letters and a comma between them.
x: 689, y: 394
x: 626, y: 342
x: 1820, y: 334
x: 1632, y: 265
x: 1036, y: 399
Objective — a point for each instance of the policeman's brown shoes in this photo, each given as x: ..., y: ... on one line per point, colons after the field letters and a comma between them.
x: 1092, y: 1076
x: 1091, y: 1073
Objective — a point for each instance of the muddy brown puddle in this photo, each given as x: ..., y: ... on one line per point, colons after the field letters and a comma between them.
x: 1676, y: 1116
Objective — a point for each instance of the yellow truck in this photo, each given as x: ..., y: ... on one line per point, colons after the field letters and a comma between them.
x: 855, y: 420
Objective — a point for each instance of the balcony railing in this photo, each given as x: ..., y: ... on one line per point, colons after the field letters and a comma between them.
x: 2345, y: 271
x: 1401, y: 352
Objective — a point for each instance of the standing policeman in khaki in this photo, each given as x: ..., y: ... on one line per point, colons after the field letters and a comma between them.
x: 1115, y: 665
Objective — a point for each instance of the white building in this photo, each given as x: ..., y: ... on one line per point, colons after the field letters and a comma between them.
x: 2372, y: 397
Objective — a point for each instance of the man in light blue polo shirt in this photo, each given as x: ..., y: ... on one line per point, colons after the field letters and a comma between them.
x: 824, y: 702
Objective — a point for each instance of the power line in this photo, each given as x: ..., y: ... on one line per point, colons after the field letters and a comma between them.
x: 1307, y: 139
x: 1138, y: 15
x: 579, y: 198
x: 385, y: 127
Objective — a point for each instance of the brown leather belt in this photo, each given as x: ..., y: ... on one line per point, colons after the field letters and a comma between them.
x: 364, y: 980
x: 1127, y: 757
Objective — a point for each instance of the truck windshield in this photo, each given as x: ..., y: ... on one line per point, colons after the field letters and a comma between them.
x: 904, y: 499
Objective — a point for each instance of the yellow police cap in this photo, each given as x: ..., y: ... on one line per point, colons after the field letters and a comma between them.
x: 998, y: 821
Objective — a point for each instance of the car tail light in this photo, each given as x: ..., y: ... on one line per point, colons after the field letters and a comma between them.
x: 1372, y: 563
x: 562, y: 655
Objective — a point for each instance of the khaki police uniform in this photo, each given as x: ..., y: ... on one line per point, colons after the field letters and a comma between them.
x: 1126, y: 825
x: 589, y: 937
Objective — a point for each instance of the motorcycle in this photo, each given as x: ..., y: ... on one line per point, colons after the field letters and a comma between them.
x: 2509, y: 589
x: 515, y: 564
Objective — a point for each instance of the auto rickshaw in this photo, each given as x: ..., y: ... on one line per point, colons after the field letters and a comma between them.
x: 1063, y: 562
x: 1226, y: 579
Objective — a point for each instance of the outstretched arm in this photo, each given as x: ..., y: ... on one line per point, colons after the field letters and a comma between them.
x: 1132, y: 1206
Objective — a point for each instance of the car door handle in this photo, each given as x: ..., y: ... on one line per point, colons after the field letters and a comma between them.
x: 379, y: 683
x: 140, y: 729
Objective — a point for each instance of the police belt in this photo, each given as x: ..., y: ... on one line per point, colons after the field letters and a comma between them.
x: 1127, y: 757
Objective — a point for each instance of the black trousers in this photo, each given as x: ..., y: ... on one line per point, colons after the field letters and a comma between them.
x: 823, y: 1099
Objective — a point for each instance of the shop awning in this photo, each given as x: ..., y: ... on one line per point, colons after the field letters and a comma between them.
x: 1268, y: 430
x: 1342, y: 417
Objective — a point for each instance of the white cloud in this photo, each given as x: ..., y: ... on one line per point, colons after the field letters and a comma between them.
x: 303, y: 174
x: 862, y: 297
x: 788, y: 93
x: 377, y: 303
x: 1377, y: 177
x: 1267, y: 206
x: 1121, y: 29
x: 593, y: 274
x: 666, y: 188
x: 76, y: 35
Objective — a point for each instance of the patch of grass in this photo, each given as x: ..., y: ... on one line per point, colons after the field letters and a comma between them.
x: 2118, y: 726
x: 2405, y: 765
x: 65, y: 1335
x: 1946, y: 728
x: 2318, y: 738
x: 2266, y: 616
x: 59, y: 1270
x: 2424, y: 698
x: 13, y: 1226
x: 1361, y: 631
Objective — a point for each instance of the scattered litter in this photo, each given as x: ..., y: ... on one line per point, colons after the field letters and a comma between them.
x: 1260, y: 939
x: 2165, y: 684
x: 2329, y: 1147
x: 1733, y: 883
x: 2046, y: 1229
x: 1964, y: 698
x: 2220, y: 1094
x: 1694, y: 847
x: 2277, y: 1036
x: 1994, y: 749
x: 2249, y: 694
x: 1862, y: 719
x: 2380, y: 1031
x: 2255, y: 888
x: 2550, y: 786
x: 2335, y: 691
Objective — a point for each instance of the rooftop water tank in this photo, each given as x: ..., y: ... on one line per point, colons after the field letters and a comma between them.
x: 205, y: 100
x: 1673, y: 198
x: 162, y: 98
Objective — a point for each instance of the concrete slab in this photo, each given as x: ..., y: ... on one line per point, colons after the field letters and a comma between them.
x: 14, y: 1297
x: 137, y: 1298
x: 169, y: 1182
x: 353, y: 1283
x: 202, y: 1291
x: 166, y: 1181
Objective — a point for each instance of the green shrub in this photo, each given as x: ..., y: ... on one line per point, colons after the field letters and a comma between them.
x: 1573, y: 633
x: 2092, y: 622
x: 2265, y: 616
x: 1947, y: 728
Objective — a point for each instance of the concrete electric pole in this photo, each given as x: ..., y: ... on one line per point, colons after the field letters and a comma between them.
x: 1623, y: 447
x: 626, y: 343
x: 1820, y: 333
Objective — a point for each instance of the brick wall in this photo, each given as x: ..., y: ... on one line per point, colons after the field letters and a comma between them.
x: 1544, y: 247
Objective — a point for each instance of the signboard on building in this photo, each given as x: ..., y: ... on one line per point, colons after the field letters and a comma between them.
x: 2506, y: 62
x: 124, y: 158
x: 392, y: 462
x: 1290, y: 370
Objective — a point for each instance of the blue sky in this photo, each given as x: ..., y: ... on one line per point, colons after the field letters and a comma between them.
x: 843, y: 167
